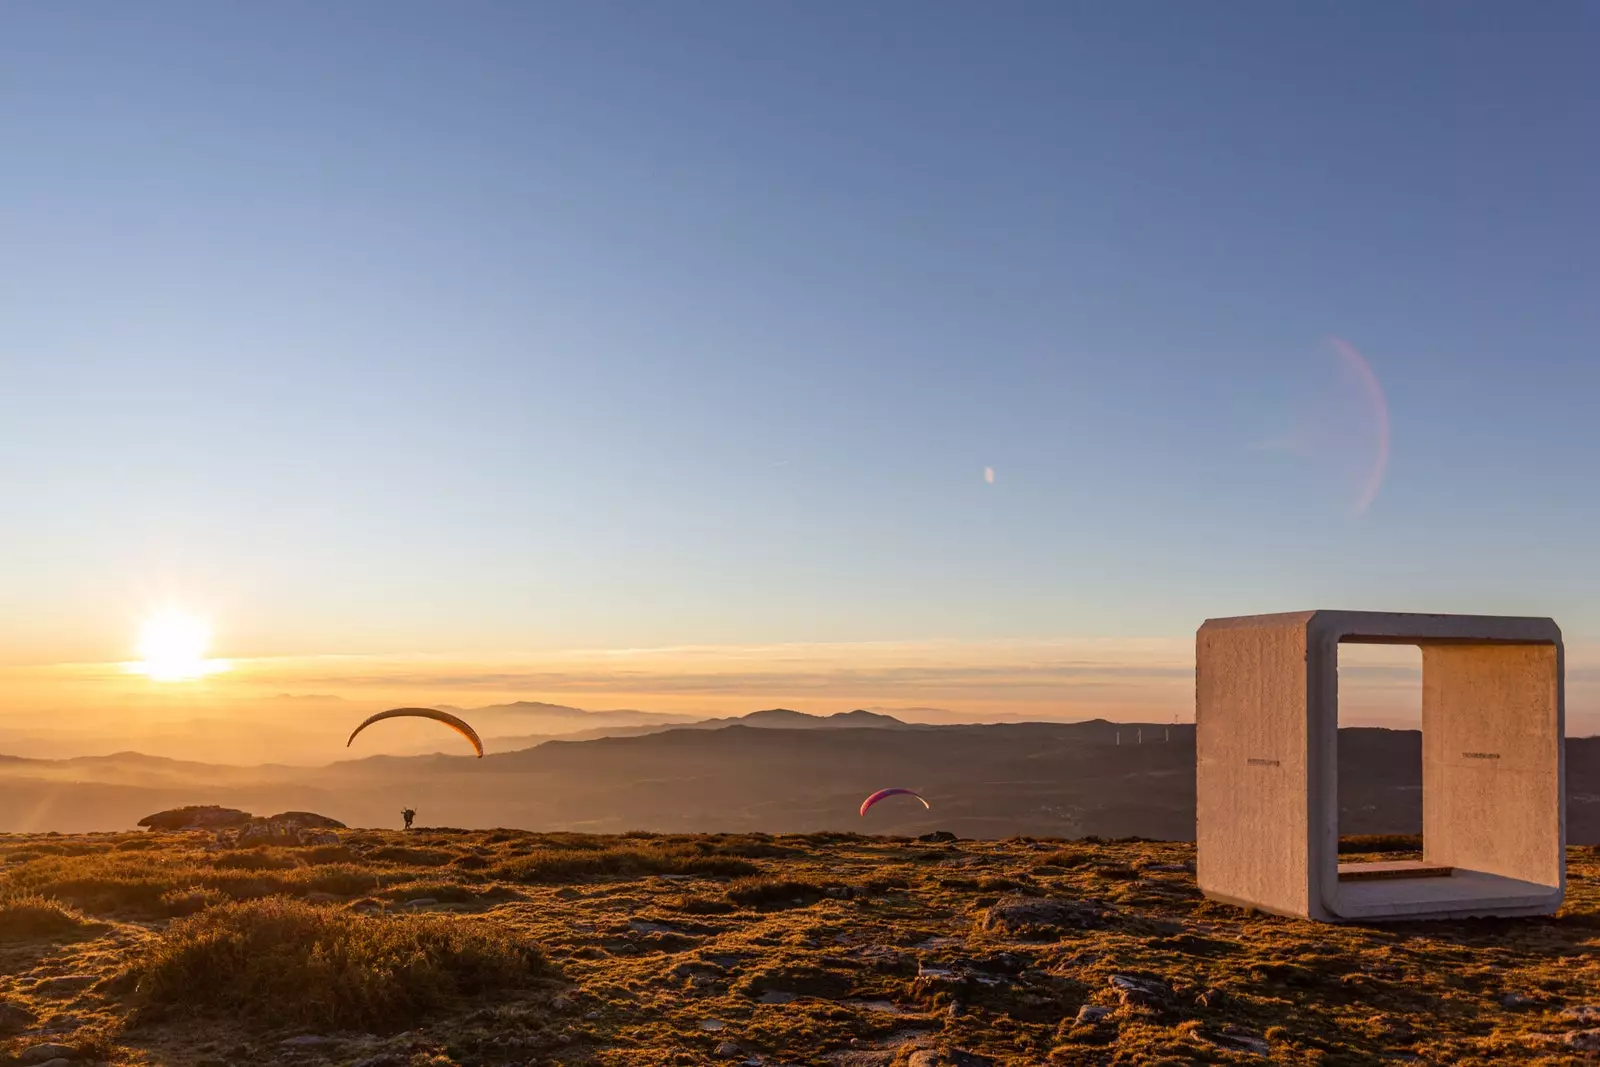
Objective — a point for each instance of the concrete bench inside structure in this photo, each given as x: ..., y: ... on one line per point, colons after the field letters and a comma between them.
x: 1493, y: 775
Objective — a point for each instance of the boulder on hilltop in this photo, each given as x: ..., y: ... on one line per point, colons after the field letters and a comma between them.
x: 240, y: 829
x: 308, y: 820
x: 196, y: 817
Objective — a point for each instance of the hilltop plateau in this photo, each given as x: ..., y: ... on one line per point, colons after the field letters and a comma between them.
x: 486, y: 948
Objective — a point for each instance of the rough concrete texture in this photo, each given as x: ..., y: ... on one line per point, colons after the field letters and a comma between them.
x: 1267, y: 717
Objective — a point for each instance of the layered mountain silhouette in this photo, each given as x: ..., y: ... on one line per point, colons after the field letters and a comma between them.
x: 774, y: 770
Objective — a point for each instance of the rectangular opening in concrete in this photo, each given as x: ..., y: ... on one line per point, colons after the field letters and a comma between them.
x: 1380, y: 763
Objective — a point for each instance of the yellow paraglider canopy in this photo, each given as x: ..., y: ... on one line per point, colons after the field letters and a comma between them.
x: 459, y: 725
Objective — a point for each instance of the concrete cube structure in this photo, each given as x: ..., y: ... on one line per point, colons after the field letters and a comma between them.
x: 1493, y: 773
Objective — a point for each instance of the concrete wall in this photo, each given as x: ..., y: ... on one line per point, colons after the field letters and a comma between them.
x: 1491, y: 759
x: 1251, y: 801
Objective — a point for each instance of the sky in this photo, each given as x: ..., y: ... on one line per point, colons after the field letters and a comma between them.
x: 413, y: 345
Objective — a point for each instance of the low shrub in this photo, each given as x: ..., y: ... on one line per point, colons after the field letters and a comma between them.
x: 552, y: 865
x: 1064, y: 858
x: 773, y: 892
x: 412, y: 857
x: 254, y: 860
x: 31, y: 915
x: 285, y: 962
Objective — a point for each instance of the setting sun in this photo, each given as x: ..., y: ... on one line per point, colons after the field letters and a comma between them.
x: 172, y: 648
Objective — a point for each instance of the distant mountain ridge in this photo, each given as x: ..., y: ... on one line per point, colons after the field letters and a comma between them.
x: 640, y: 723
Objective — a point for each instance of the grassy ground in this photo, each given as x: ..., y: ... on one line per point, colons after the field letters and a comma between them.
x: 503, y: 947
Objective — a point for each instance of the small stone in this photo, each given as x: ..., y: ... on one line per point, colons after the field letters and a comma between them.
x: 711, y: 1024
x: 304, y: 1041
x: 727, y: 1048
x: 1238, y: 1039
x: 1043, y: 916
x: 62, y: 984
x: 1517, y: 1002
x: 47, y: 1051
x: 950, y: 1057
x: 14, y: 1017
x: 561, y: 1004
x: 591, y: 1016
x: 1141, y: 992
x: 1092, y: 1014
x: 421, y: 902
x: 1584, y: 1040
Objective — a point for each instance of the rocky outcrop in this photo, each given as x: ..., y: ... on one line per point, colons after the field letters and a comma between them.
x: 308, y: 819
x: 196, y: 817
x: 288, y: 829
x: 240, y: 829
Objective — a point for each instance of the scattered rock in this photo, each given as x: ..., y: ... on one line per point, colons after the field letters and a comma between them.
x: 640, y: 926
x: 49, y: 1050
x: 727, y: 1048
x: 1517, y: 1002
x: 1237, y: 1039
x: 14, y: 1017
x: 1582, y: 1013
x: 1211, y: 997
x: 305, y: 1041
x: 421, y: 902
x: 196, y: 817
x: 1584, y: 1040
x: 1092, y: 1014
x: 949, y: 1057
x: 62, y: 984
x: 308, y: 819
x: 561, y: 1004
x: 939, y: 837
x: 712, y: 1025
x: 288, y: 829
x: 1043, y: 916
x: 1140, y: 992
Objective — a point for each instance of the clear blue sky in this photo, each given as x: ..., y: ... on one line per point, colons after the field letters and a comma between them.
x: 412, y: 326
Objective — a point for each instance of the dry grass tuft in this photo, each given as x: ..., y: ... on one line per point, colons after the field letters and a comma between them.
x: 548, y: 865
x: 288, y: 962
x: 32, y: 915
x: 1358, y: 843
x: 773, y: 892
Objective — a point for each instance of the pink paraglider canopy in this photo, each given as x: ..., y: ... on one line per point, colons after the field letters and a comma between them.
x: 880, y: 794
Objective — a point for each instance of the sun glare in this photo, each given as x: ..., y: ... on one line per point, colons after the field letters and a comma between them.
x: 172, y: 648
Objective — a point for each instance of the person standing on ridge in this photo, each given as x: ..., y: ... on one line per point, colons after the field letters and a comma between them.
x: 408, y: 814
